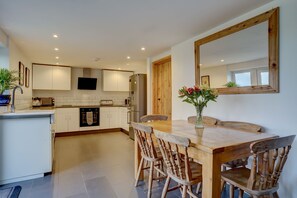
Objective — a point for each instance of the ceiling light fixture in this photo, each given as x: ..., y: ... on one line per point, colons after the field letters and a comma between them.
x: 56, y: 49
x: 119, y: 68
x: 143, y: 49
x: 200, y: 64
x: 57, y: 63
x: 222, y: 60
x: 57, y: 57
x: 55, y: 36
x: 128, y: 57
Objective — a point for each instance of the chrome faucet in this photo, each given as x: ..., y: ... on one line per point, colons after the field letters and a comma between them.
x: 12, y: 108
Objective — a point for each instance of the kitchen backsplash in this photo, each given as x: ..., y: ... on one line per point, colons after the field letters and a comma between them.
x: 83, y: 97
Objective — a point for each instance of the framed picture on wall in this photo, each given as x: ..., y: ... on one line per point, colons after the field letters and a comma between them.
x: 205, y: 81
x: 27, y: 77
x: 21, y: 73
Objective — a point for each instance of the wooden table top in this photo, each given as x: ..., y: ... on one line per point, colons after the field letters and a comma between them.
x: 211, y: 139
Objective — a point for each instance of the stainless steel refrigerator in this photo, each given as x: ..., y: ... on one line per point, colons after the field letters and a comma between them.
x: 138, y: 95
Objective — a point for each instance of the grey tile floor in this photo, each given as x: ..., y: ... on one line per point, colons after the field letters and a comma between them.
x: 91, y: 166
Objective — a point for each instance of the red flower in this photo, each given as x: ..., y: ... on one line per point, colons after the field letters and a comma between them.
x: 196, y: 88
x: 190, y: 90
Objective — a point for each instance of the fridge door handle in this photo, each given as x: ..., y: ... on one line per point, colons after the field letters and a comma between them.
x: 128, y: 117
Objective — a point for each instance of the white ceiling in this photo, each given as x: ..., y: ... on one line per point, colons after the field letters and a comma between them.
x: 111, y: 29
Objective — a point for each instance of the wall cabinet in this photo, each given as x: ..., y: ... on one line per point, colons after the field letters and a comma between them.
x: 116, y: 80
x: 67, y: 119
x: 51, y: 77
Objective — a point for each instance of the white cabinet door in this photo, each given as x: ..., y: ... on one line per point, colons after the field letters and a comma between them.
x: 51, y: 77
x: 67, y: 119
x: 104, y: 117
x: 123, y: 118
x: 73, y: 122
x: 61, y: 121
x: 123, y: 80
x: 114, y: 121
x: 42, y: 77
x: 116, y: 80
x: 61, y: 78
x: 109, y: 80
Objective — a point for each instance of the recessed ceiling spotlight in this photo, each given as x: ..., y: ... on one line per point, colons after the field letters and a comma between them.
x: 57, y: 57
x: 119, y: 68
x: 56, y: 49
x: 222, y: 60
x: 55, y: 36
x: 200, y: 64
x: 143, y: 49
x: 57, y: 63
x: 128, y: 57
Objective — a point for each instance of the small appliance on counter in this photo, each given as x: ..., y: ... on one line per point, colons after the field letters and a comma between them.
x: 106, y: 102
x: 43, y: 102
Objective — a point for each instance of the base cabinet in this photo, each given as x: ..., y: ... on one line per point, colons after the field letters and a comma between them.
x: 113, y: 117
x: 67, y: 119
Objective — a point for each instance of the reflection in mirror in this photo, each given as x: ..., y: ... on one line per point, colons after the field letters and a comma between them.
x: 241, y: 58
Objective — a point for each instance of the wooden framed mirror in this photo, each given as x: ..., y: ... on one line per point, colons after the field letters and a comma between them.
x: 241, y: 59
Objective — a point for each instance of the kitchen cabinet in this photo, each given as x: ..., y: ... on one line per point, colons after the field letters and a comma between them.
x: 67, y: 119
x: 123, y: 112
x: 113, y: 117
x: 51, y: 77
x: 116, y: 80
x: 26, y: 151
x: 109, y: 117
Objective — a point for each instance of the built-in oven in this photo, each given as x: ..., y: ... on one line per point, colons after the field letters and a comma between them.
x: 89, y: 117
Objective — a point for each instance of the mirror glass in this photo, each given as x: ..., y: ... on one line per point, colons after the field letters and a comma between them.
x: 241, y: 58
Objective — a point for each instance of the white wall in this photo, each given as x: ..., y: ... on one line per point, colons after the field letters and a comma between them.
x: 217, y: 75
x: 276, y: 112
x: 22, y: 101
x: 83, y: 97
x: 4, y: 57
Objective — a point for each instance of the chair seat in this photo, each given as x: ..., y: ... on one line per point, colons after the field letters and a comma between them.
x: 196, y: 174
x: 236, y: 163
x: 239, y: 177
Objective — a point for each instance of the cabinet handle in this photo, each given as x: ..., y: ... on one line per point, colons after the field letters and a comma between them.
x: 128, y: 117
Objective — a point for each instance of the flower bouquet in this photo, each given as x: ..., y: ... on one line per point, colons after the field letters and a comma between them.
x: 199, y: 97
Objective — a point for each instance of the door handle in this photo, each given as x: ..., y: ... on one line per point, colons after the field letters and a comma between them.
x: 128, y: 117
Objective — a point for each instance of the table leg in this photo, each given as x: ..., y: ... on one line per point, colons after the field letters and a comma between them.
x: 211, y: 176
x: 137, y: 158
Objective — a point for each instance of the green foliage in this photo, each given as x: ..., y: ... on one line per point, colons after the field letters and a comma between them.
x: 8, y: 79
x: 231, y: 84
x: 198, y: 96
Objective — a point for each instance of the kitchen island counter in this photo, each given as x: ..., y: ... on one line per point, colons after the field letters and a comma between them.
x: 26, y: 145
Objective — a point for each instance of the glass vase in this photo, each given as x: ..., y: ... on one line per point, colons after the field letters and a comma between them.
x: 199, y: 119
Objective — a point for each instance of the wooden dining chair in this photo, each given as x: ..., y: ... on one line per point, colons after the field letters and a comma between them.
x: 149, y: 153
x: 153, y: 117
x: 180, y: 168
x: 210, y: 121
x: 269, y: 158
x: 244, y: 126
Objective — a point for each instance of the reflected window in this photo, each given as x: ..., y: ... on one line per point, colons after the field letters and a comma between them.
x: 251, y: 77
x: 242, y: 78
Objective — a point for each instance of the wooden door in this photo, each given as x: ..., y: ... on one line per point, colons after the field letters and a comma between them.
x: 162, y: 89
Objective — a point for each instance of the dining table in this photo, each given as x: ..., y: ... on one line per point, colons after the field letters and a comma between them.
x: 211, y: 146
